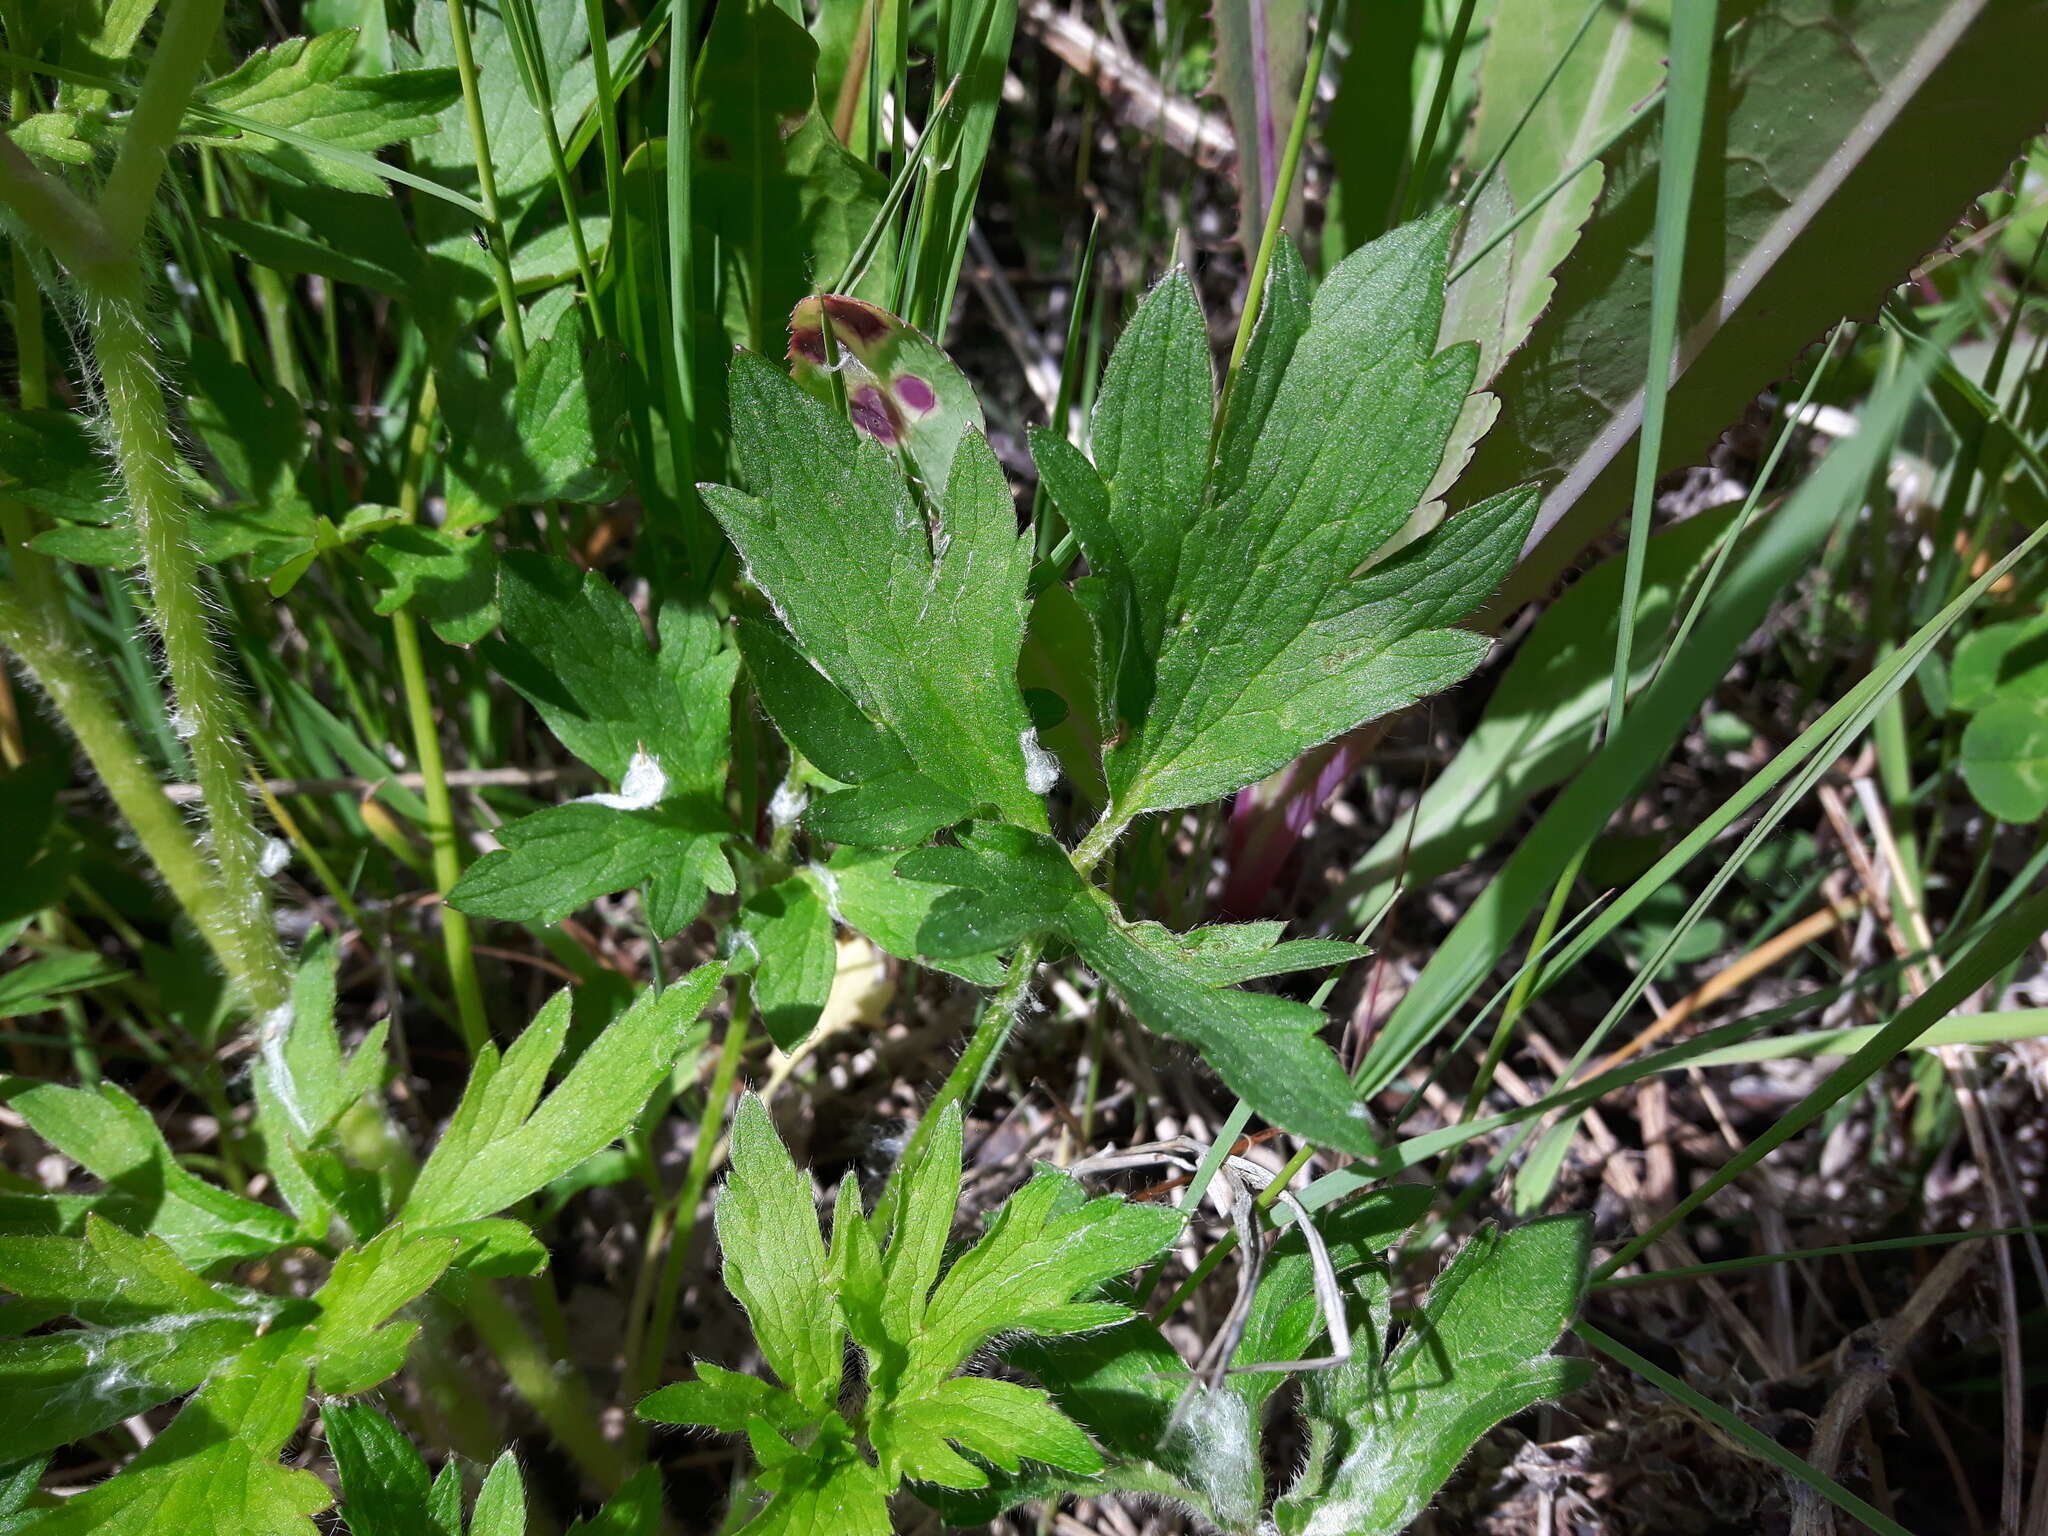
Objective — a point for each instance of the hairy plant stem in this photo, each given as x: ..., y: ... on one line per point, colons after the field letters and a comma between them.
x: 456, y: 944
x: 679, y: 1216
x: 100, y: 246
x: 561, y: 1398
x: 963, y: 1084
x: 992, y: 1028
x: 147, y: 458
x: 42, y: 638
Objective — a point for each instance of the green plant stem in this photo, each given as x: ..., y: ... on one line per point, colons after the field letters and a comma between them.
x: 147, y: 458
x: 1409, y: 198
x: 100, y: 247
x: 57, y: 216
x: 486, y: 182
x: 152, y: 128
x: 560, y: 1398
x: 680, y: 1216
x: 442, y: 840
x: 991, y: 1030
x: 682, y: 301
x: 607, y: 109
x: 1283, y: 188
x: 524, y: 30
x: 42, y: 638
x: 1088, y: 853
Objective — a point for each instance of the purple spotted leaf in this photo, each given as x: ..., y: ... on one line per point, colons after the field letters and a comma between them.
x: 901, y: 390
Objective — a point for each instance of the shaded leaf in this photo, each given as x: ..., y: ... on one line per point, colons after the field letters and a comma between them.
x: 1394, y: 1430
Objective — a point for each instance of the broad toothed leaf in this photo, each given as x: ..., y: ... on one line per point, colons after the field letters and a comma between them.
x: 450, y: 579
x: 775, y: 1259
x: 1049, y: 1244
x: 565, y: 857
x: 1229, y: 665
x: 384, y: 1487
x: 788, y: 932
x: 723, y: 1400
x: 998, y: 1421
x: 301, y: 86
x: 914, y: 624
x: 575, y: 648
x: 112, y: 1137
x: 356, y: 1345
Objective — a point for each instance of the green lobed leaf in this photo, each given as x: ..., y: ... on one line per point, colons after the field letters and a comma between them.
x: 301, y: 1064
x: 547, y: 431
x: 1618, y: 62
x: 1013, y: 884
x: 575, y: 649
x: 111, y: 1136
x: 300, y: 85
x: 1270, y: 643
x: 60, y: 1387
x: 1394, y: 1430
x: 107, y: 1277
x: 827, y: 1486
x: 861, y: 886
x: 449, y: 579
x: 920, y: 629
x: 724, y: 1400
x: 775, y: 1261
x: 501, y: 1503
x: 554, y: 861
x: 384, y: 1488
x: 1048, y: 1244
x: 635, y: 1510
x: 654, y: 723
x: 214, y: 1472
x: 917, y: 1247
x: 505, y: 1142
x: 354, y: 1348
x: 998, y: 1421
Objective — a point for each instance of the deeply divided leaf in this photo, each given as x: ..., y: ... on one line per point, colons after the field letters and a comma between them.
x: 1227, y: 584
